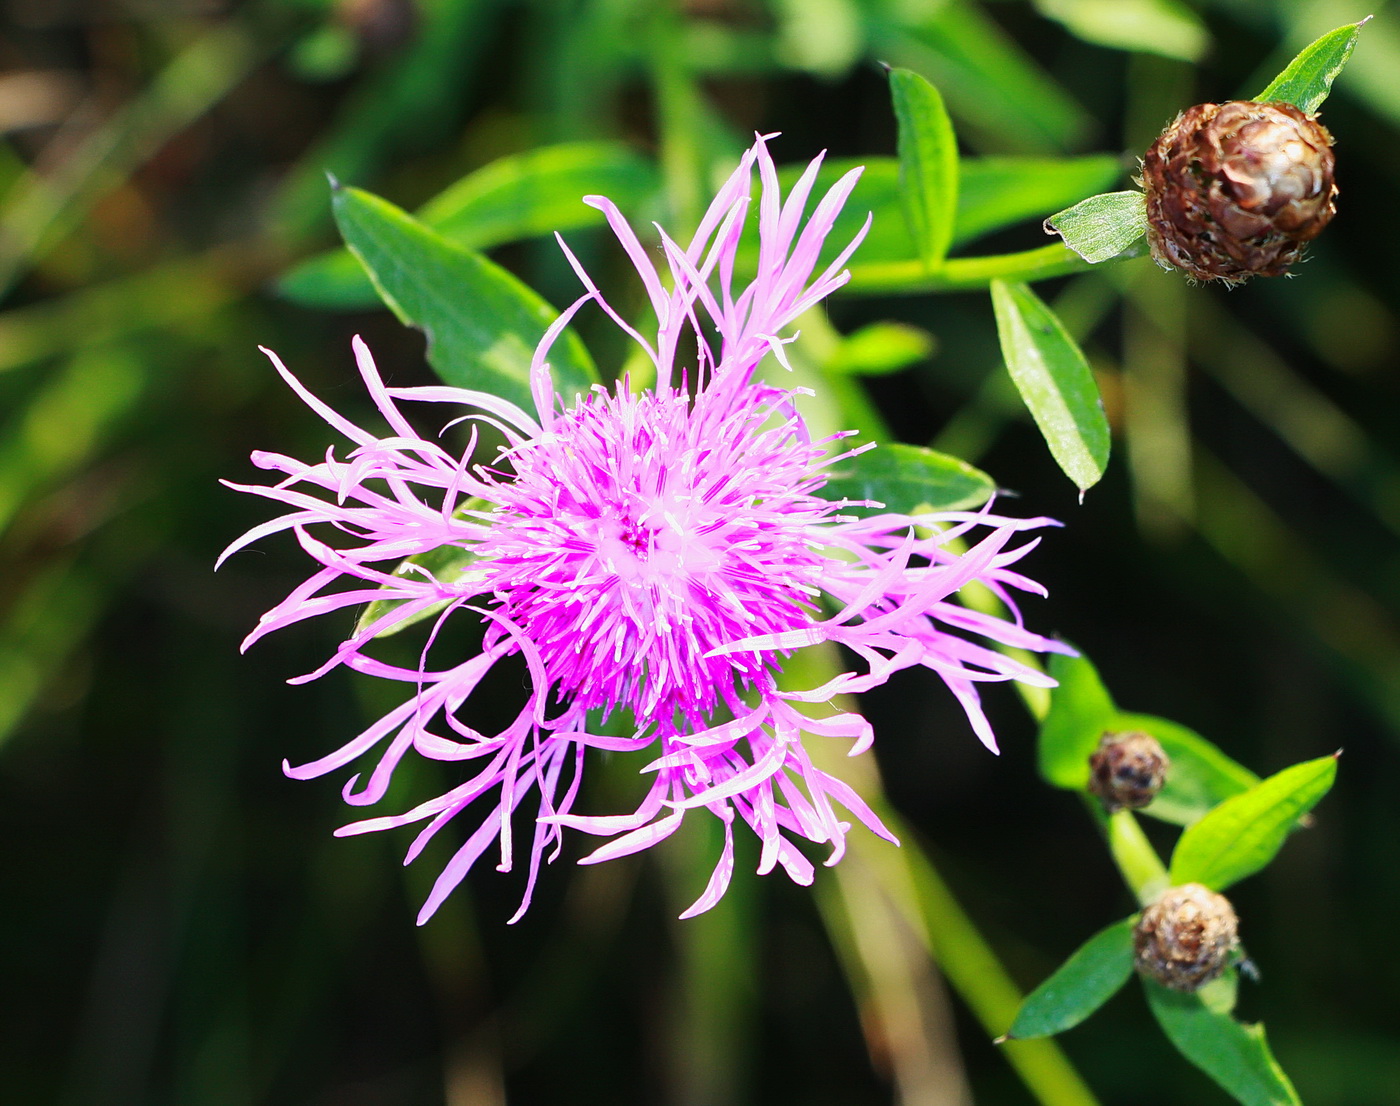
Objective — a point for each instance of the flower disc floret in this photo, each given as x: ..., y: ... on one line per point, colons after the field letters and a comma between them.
x: 645, y: 531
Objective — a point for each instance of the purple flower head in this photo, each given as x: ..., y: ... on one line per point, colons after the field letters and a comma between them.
x: 651, y: 557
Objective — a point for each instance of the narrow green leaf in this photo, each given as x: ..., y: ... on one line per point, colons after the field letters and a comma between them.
x: 1163, y: 27
x: 447, y: 563
x: 928, y: 164
x: 1201, y: 776
x: 1307, y: 79
x: 1054, y: 381
x: 1102, y: 226
x: 1244, y: 833
x: 1089, y: 978
x: 1235, y: 1055
x: 515, y: 197
x: 909, y: 478
x: 481, y: 322
x: 540, y: 191
x: 1080, y: 711
x: 880, y: 348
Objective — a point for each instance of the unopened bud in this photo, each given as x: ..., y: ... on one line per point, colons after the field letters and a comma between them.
x: 1235, y: 190
x: 1127, y: 770
x: 1185, y: 938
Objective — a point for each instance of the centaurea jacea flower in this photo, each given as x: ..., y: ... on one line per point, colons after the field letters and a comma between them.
x: 651, y: 556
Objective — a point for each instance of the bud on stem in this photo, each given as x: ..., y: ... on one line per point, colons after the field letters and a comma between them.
x: 1235, y: 190
x: 1127, y: 770
x: 1185, y: 938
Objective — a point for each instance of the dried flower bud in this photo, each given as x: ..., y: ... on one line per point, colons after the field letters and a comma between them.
x: 1127, y: 770
x: 1235, y: 190
x: 1185, y: 938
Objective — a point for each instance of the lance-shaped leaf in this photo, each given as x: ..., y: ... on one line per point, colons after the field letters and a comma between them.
x: 1102, y: 226
x: 1200, y: 777
x: 1080, y: 711
x: 481, y: 322
x: 518, y: 196
x: 1089, y: 978
x: 1244, y: 833
x: 909, y: 478
x: 1054, y: 380
x: 1233, y: 1054
x: 928, y: 164
x: 1307, y: 79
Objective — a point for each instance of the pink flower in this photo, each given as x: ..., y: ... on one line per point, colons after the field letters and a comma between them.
x: 651, y: 556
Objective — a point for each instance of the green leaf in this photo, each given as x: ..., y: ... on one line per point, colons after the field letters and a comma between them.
x: 880, y: 348
x: 1244, y: 833
x: 1089, y: 978
x: 1080, y: 711
x: 1102, y: 226
x: 909, y: 478
x: 1054, y: 381
x: 1162, y: 27
x: 482, y: 323
x: 928, y: 164
x: 540, y: 191
x: 1233, y: 1054
x: 1222, y: 992
x: 996, y: 192
x: 1307, y: 79
x: 1201, y: 776
x: 447, y: 563
x: 519, y: 196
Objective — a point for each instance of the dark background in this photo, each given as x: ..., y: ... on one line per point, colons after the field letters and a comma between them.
x: 179, y: 926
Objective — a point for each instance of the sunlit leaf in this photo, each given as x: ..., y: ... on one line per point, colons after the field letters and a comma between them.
x: 1163, y: 27
x: 909, y: 478
x: 1089, y: 978
x: 1233, y: 1054
x: 481, y: 322
x: 515, y: 197
x: 1307, y: 79
x: 1054, y: 381
x: 928, y: 164
x: 1102, y: 226
x: 1244, y: 833
x: 1080, y: 711
x: 1200, y: 777
x: 880, y: 348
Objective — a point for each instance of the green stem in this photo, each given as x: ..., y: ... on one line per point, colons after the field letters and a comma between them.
x: 1137, y: 860
x: 963, y: 274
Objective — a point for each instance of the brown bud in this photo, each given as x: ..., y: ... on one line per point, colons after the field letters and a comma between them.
x: 1185, y: 938
x: 1235, y: 190
x: 1127, y: 770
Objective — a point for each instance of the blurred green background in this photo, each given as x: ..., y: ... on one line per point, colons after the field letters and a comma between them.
x: 178, y: 925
